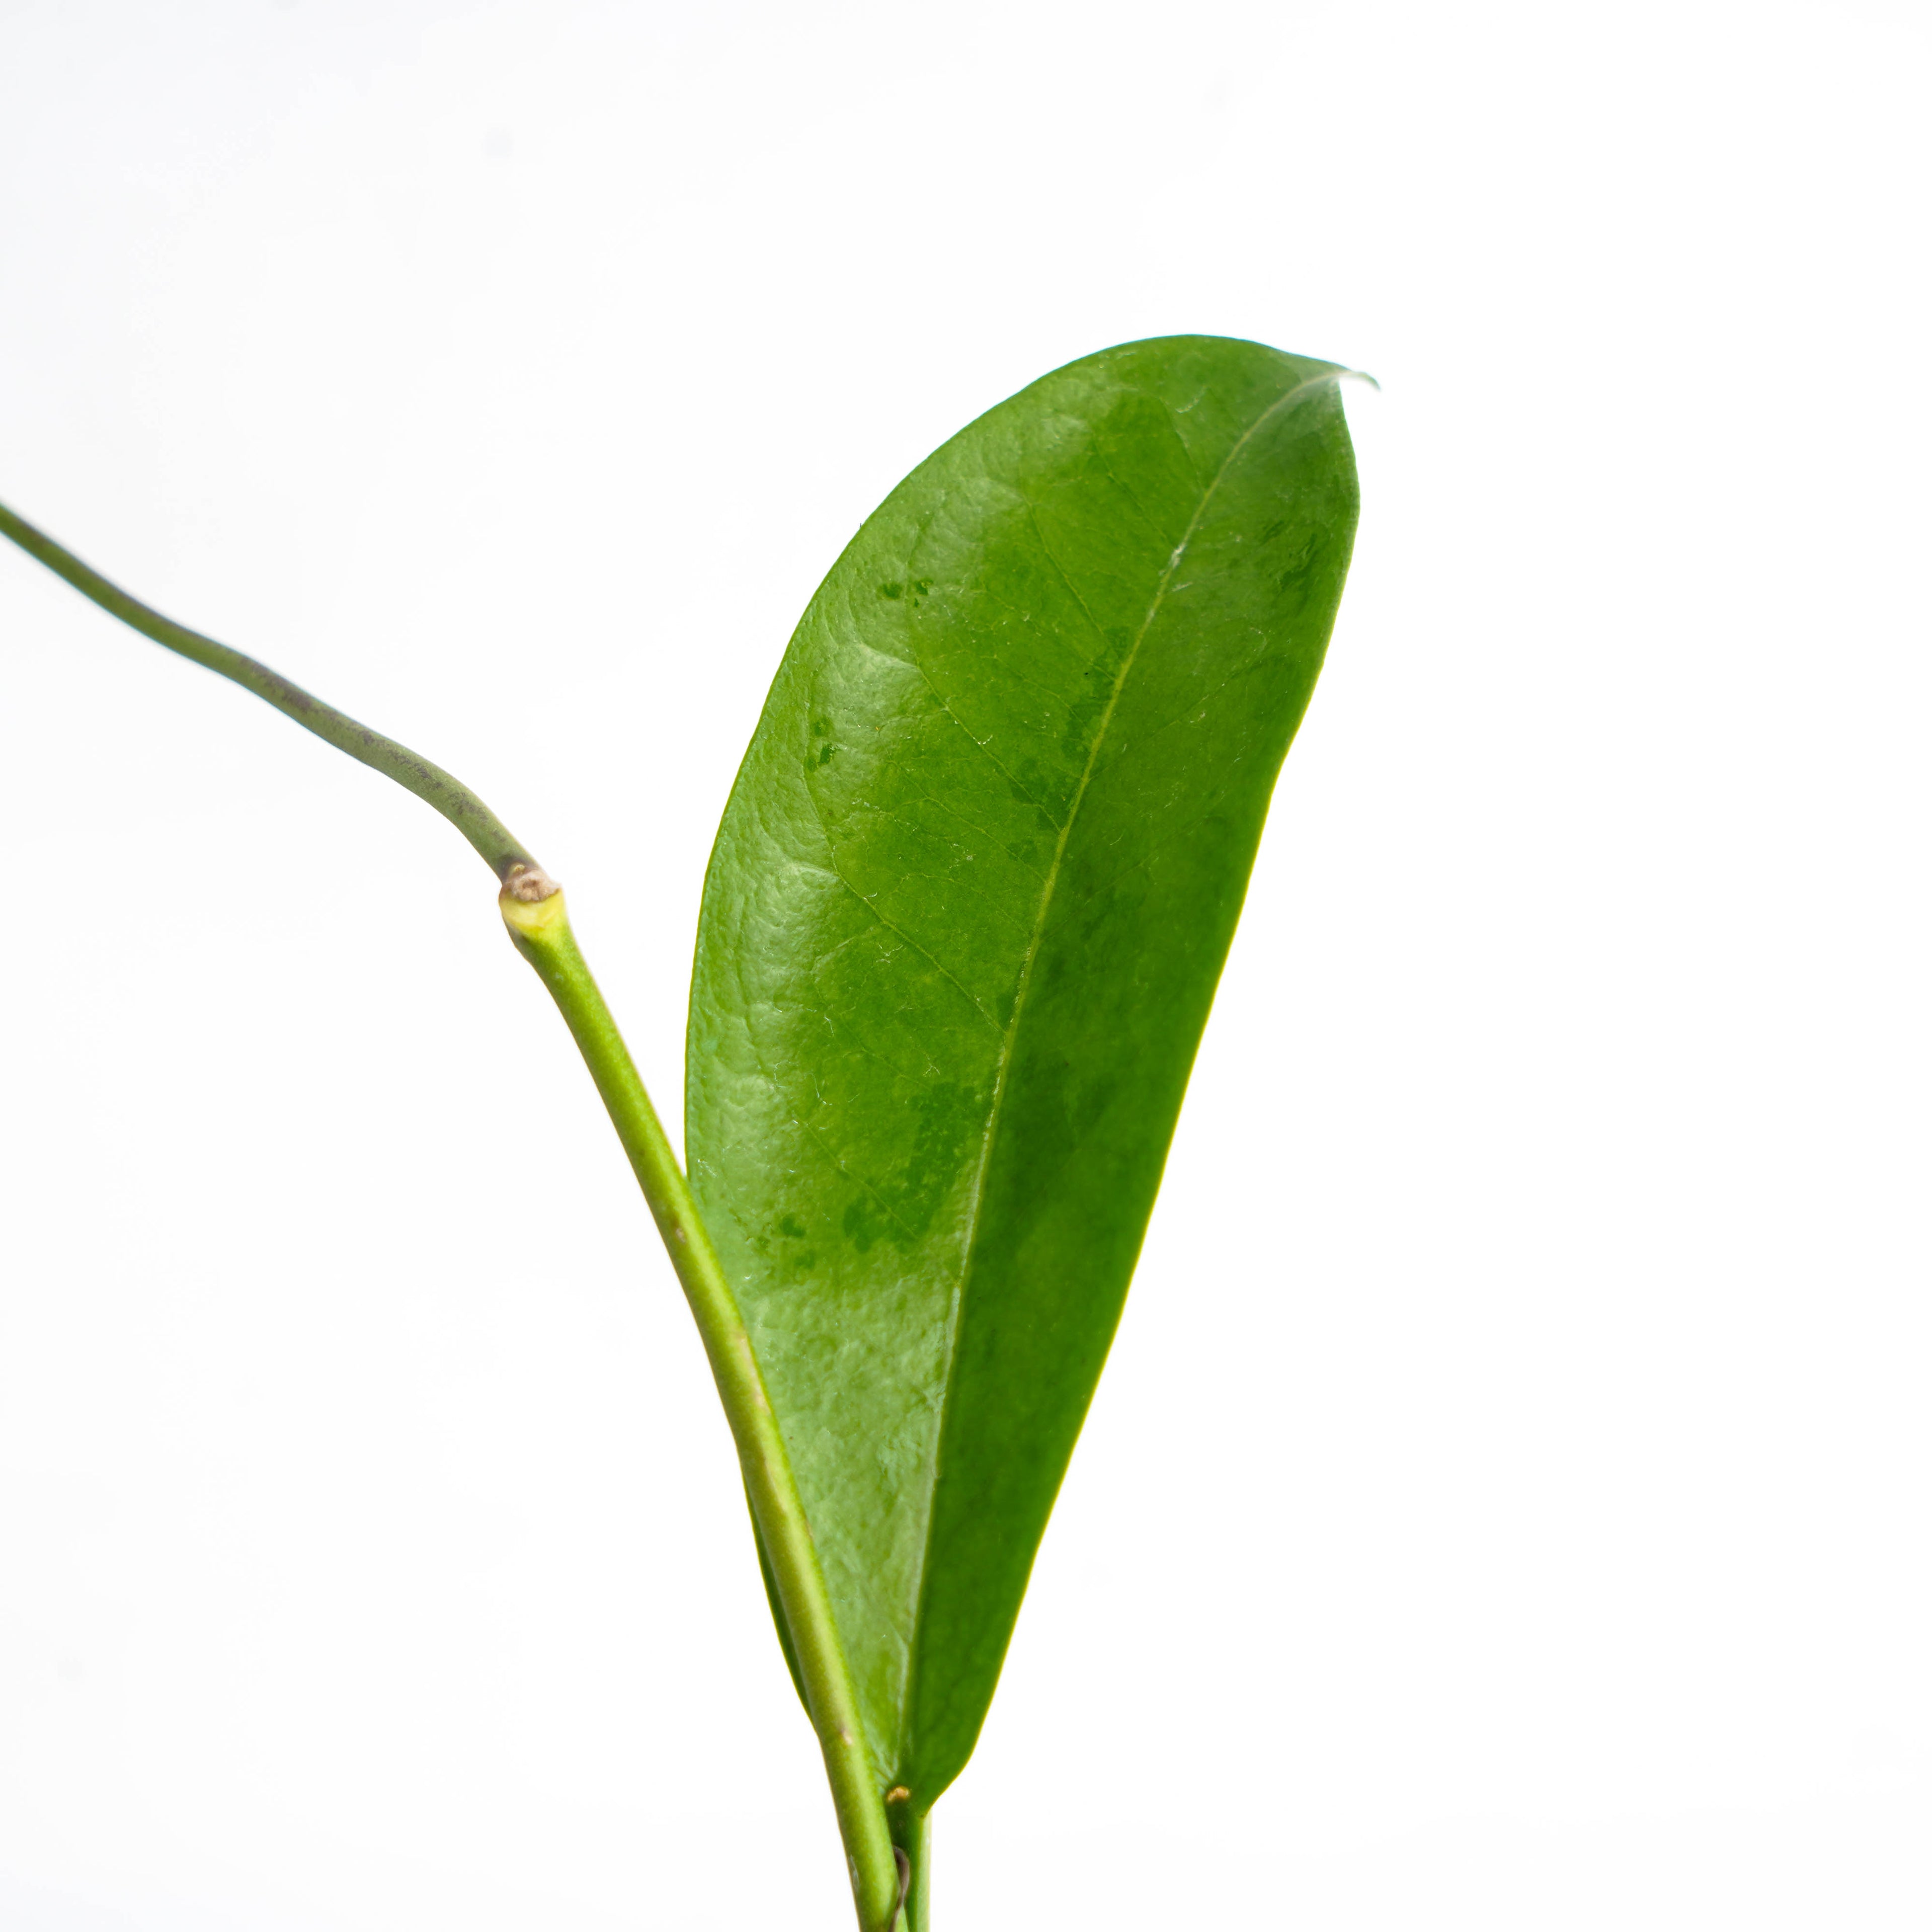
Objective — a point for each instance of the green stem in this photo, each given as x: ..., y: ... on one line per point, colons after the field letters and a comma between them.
x: 541, y: 931
x: 533, y: 909
x: 430, y: 783
x: 913, y: 1838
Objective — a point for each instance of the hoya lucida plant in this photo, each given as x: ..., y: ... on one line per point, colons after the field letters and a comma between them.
x: 962, y: 928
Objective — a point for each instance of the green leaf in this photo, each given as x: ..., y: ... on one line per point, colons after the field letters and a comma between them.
x: 963, y: 923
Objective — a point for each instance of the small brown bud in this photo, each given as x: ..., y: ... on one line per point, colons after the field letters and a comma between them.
x: 530, y: 883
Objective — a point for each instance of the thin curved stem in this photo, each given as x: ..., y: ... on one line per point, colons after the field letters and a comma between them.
x: 542, y: 934
x: 430, y: 783
x: 533, y: 910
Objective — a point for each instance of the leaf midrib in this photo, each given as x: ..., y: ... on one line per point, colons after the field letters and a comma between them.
x: 990, y: 1137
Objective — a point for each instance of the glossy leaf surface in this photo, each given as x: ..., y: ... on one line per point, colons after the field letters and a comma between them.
x: 963, y: 924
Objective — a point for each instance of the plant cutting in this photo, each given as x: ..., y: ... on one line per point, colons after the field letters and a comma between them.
x: 961, y: 931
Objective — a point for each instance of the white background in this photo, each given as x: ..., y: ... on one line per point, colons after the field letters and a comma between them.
x: 1510, y: 1505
